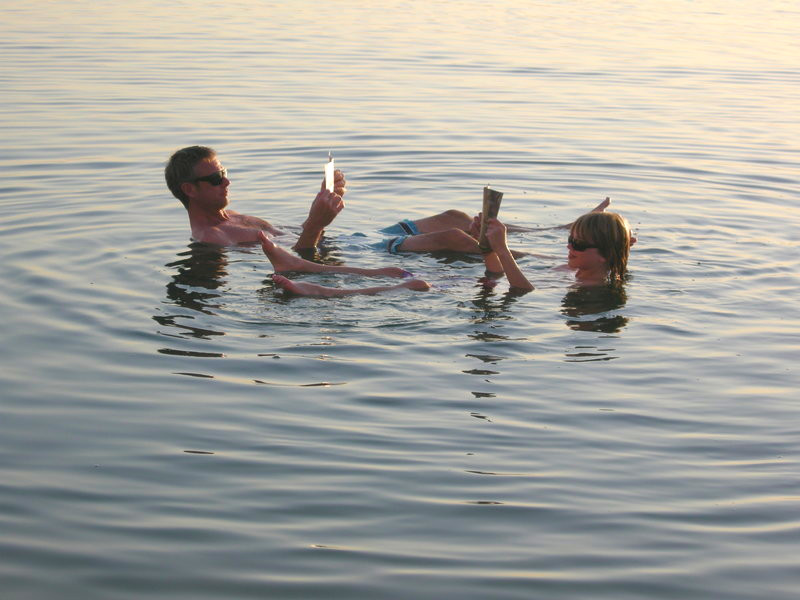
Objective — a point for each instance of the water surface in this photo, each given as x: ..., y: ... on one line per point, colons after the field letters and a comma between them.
x: 172, y: 426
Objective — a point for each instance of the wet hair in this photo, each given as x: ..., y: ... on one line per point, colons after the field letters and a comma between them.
x: 611, y: 234
x: 180, y: 169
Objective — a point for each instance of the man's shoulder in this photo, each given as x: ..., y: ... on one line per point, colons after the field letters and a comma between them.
x: 239, y: 219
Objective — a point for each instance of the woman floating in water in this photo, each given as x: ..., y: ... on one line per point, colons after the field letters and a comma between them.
x: 598, y: 247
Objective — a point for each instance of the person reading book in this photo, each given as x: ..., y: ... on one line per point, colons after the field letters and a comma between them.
x: 598, y: 247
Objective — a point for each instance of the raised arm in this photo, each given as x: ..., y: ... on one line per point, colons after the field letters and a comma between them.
x: 496, y: 234
x: 323, y: 211
x: 519, y: 229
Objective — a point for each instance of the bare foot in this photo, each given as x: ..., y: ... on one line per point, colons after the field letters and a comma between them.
x: 281, y: 259
x: 418, y: 285
x: 395, y: 272
x: 302, y: 288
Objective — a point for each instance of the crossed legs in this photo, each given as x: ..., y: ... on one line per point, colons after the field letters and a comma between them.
x: 285, y: 261
x: 452, y: 230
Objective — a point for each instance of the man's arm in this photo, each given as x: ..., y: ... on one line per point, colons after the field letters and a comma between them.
x: 323, y: 211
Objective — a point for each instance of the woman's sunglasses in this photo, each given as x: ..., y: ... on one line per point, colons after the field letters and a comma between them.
x: 578, y: 245
x: 214, y: 179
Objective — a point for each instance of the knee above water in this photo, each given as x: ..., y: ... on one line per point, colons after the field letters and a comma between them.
x: 454, y: 213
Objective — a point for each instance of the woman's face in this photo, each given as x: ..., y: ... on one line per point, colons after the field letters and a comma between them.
x: 581, y: 254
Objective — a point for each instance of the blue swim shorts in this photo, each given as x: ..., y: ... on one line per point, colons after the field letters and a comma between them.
x: 392, y: 245
x: 401, y: 231
x: 404, y: 227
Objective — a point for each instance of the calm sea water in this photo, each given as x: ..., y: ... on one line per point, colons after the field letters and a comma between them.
x: 171, y: 426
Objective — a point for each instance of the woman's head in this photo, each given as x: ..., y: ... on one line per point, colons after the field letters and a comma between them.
x: 608, y: 236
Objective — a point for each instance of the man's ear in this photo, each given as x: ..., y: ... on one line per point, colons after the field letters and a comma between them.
x: 187, y: 188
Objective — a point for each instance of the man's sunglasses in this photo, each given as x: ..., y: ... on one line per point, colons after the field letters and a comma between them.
x: 578, y: 245
x: 214, y: 179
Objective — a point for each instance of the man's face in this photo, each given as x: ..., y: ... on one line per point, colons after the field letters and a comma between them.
x: 203, y: 194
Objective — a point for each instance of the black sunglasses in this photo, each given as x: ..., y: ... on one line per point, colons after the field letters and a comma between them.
x: 214, y: 179
x: 579, y: 246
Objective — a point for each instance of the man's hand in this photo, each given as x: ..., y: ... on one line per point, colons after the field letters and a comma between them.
x: 475, y: 226
x: 339, y: 183
x: 323, y: 210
